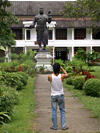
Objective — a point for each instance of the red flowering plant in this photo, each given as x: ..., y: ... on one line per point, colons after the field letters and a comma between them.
x: 88, y: 75
x: 20, y: 68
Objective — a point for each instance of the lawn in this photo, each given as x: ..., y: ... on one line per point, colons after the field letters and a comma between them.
x: 24, y: 117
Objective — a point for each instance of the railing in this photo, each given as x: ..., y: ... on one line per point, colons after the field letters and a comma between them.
x: 61, y: 43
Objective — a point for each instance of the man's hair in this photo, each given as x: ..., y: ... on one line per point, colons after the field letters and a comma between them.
x: 56, y: 68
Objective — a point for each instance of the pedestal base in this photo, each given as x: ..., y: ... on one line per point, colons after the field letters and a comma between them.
x: 44, y: 59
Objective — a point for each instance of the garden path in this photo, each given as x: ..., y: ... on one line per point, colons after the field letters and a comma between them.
x: 79, y: 119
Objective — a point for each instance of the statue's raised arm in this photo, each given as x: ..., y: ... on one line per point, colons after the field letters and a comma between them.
x: 49, y: 17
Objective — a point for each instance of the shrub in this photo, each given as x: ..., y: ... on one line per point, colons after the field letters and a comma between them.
x: 60, y: 62
x: 16, y: 80
x: 20, y: 68
x: 78, y: 82
x: 88, y: 75
x: 70, y: 80
x: 23, y: 79
x: 92, y: 87
x: 25, y: 66
x: 3, y: 115
x: 32, y: 71
x: 23, y: 74
x: 19, y: 85
x: 69, y: 69
x: 8, y: 98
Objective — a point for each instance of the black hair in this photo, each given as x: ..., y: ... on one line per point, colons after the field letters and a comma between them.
x: 56, y: 68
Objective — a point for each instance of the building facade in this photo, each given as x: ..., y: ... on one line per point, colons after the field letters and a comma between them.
x: 65, y: 39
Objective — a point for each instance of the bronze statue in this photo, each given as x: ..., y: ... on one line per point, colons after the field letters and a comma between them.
x: 41, y: 28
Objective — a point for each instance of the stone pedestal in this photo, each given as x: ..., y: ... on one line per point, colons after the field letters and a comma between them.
x: 44, y: 59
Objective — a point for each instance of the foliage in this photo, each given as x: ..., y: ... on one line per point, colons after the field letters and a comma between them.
x: 78, y: 82
x: 89, y: 56
x: 2, y: 59
x: 50, y: 49
x: 20, y: 68
x: 28, y: 56
x: 68, y: 69
x: 8, y: 99
x: 41, y: 67
x: 14, y: 63
x: 16, y: 80
x: 6, y: 20
x: 13, y: 56
x: 3, y: 115
x: 9, y: 67
x: 5, y: 66
x: 92, y: 87
x: 23, y: 74
x: 60, y: 62
x: 92, y: 55
x: 88, y: 75
x: 82, y: 9
x: 81, y: 54
x: 23, y: 78
x: 24, y: 115
x: 77, y: 63
x: 69, y: 80
x: 32, y: 72
x: 89, y: 102
x: 25, y: 66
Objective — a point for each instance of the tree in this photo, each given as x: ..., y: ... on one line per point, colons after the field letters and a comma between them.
x: 81, y: 54
x: 84, y: 10
x: 6, y: 20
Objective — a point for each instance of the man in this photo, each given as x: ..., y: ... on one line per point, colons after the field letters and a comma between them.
x: 41, y: 28
x: 57, y: 95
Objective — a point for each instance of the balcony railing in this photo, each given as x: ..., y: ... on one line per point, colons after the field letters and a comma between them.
x: 60, y: 43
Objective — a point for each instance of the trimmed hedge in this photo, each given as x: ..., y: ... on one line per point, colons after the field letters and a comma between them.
x: 69, y: 80
x: 92, y: 87
x: 78, y: 82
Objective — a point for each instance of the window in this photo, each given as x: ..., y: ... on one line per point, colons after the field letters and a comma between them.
x: 50, y: 34
x: 61, y: 34
x: 17, y: 50
x: 28, y: 34
x: 96, y: 35
x: 18, y: 34
x: 80, y: 33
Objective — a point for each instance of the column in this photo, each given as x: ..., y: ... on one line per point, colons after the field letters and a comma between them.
x: 53, y: 53
x: 72, y: 51
x: 25, y: 34
x: 91, y: 34
x: 53, y: 34
x: 6, y: 59
x: 91, y: 49
x: 72, y: 33
x: 25, y: 49
x: 9, y: 52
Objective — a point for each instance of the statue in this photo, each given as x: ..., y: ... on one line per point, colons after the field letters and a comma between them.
x: 41, y: 28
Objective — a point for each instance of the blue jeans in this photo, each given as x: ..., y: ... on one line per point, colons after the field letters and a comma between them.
x: 59, y: 99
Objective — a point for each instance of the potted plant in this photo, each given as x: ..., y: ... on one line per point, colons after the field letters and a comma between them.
x: 41, y: 68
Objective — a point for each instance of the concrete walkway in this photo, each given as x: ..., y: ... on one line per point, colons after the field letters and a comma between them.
x: 78, y: 118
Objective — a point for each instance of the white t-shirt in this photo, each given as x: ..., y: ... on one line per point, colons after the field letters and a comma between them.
x: 56, y: 85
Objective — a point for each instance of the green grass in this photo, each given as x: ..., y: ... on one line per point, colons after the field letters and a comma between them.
x: 91, y: 103
x: 24, y: 117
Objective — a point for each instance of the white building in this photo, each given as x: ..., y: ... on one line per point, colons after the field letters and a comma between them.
x: 64, y: 39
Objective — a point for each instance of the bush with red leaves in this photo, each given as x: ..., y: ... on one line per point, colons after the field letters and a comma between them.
x: 88, y: 75
x: 20, y: 68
